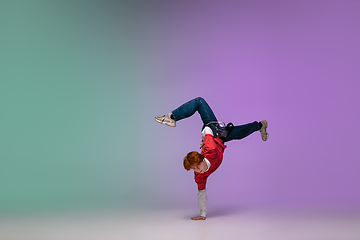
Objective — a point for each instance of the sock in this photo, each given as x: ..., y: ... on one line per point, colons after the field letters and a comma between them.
x: 260, y: 124
x: 172, y: 116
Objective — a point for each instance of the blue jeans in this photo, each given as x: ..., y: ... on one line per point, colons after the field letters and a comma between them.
x: 199, y: 104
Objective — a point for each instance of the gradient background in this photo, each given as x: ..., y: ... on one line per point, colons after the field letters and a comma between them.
x: 81, y: 81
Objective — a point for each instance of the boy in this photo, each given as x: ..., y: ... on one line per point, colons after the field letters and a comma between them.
x: 213, y: 138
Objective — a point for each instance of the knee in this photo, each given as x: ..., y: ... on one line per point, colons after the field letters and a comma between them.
x: 200, y: 99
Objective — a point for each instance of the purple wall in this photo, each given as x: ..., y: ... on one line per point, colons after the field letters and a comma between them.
x: 294, y: 63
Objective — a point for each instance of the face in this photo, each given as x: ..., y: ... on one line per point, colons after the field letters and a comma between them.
x: 201, y: 168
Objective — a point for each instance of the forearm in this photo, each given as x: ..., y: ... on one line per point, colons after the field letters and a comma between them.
x: 202, y: 202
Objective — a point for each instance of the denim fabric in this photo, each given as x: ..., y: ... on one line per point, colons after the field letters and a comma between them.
x: 200, y: 105
x: 242, y: 131
x: 189, y: 108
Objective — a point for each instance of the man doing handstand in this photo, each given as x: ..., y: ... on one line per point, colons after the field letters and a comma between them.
x: 214, y: 135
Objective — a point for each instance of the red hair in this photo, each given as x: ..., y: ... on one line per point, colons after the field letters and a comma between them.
x: 192, y: 159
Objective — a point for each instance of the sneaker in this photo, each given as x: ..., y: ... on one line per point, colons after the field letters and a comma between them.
x: 263, y: 131
x: 166, y: 119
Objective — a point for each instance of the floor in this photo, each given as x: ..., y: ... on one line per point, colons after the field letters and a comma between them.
x: 176, y: 224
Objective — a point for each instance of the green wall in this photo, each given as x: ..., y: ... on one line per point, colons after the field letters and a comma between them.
x: 69, y: 92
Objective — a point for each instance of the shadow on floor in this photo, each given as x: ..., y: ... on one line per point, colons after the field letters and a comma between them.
x: 221, y: 212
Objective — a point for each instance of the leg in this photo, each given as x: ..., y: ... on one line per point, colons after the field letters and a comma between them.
x: 242, y: 131
x: 189, y: 108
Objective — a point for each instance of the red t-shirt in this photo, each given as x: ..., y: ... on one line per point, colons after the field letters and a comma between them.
x: 212, y: 150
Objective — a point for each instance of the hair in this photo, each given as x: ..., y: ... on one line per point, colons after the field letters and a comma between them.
x: 192, y: 159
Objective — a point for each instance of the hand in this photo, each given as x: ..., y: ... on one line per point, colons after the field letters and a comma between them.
x: 202, y: 144
x: 198, y: 218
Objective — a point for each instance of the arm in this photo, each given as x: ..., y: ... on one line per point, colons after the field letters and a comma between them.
x: 202, y: 198
x: 209, y: 146
x: 202, y: 202
x: 205, y: 131
x: 208, y: 142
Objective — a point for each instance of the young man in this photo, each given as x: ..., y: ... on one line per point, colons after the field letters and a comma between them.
x: 213, y: 138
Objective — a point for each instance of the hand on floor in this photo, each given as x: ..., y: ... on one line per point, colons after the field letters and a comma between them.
x: 198, y: 218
